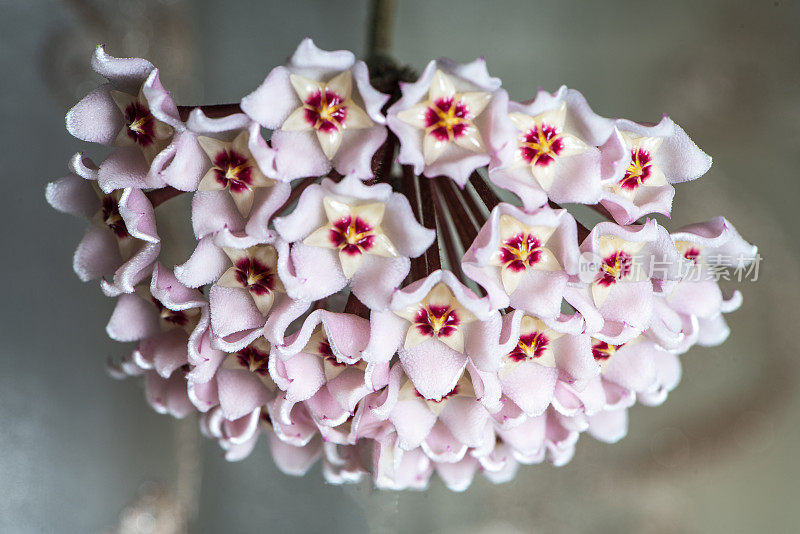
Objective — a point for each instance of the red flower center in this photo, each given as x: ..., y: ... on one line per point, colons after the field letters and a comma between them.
x: 254, y: 360
x: 233, y: 170
x: 521, y: 251
x: 325, y: 111
x: 603, y: 351
x: 112, y: 218
x: 529, y: 347
x: 614, y: 267
x: 440, y: 321
x: 352, y: 235
x: 541, y: 144
x: 139, y: 123
x: 255, y: 276
x: 447, y: 119
x: 638, y: 171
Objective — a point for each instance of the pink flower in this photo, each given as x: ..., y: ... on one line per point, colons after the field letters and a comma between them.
x: 524, y: 260
x: 323, y: 111
x: 136, y: 115
x: 616, y: 297
x: 659, y: 156
x: 350, y: 233
x: 121, y: 244
x: 558, y: 150
x: 448, y: 120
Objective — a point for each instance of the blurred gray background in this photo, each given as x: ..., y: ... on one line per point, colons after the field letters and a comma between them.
x: 76, y: 447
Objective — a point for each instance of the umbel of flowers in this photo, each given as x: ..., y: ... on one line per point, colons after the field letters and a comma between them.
x: 361, y: 294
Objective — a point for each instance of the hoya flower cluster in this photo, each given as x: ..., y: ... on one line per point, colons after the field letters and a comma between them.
x: 359, y: 294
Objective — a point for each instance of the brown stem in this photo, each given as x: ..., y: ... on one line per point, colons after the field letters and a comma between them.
x: 212, y: 111
x: 484, y: 190
x: 465, y: 226
x: 383, y: 160
x: 159, y: 196
x: 408, y: 187
x: 445, y: 236
x: 429, y: 221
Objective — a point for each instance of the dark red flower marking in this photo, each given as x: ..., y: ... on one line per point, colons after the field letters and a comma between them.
x: 520, y: 251
x: 452, y: 392
x: 324, y: 348
x: 440, y: 321
x: 254, y: 360
x: 112, y: 217
x: 325, y: 111
x: 692, y: 254
x: 352, y: 235
x: 638, y: 171
x: 177, y: 318
x: 529, y: 347
x: 255, y: 276
x: 447, y: 119
x: 540, y: 145
x: 602, y: 351
x: 614, y: 267
x: 139, y: 123
x: 233, y: 170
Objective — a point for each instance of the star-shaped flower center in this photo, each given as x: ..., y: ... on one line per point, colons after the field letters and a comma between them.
x: 618, y: 264
x: 638, y: 171
x: 438, y: 316
x: 521, y: 248
x: 254, y: 269
x: 139, y: 123
x: 542, y: 140
x: 328, y: 109
x: 535, y: 344
x: 614, y: 267
x: 255, y: 359
x: 140, y: 128
x: 447, y: 117
x: 353, y: 230
x: 642, y: 169
x: 233, y: 169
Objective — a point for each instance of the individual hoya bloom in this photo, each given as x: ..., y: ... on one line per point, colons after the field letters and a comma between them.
x: 659, y: 156
x: 524, y: 260
x: 321, y: 365
x: 121, y: 243
x: 557, y: 151
x: 437, y: 326
x: 350, y: 233
x: 538, y: 356
x: 395, y: 468
x: 445, y: 427
x: 249, y: 298
x: 448, y: 120
x: 323, y: 112
x: 133, y: 113
x: 639, y: 367
x: 708, y: 248
x: 233, y: 169
x: 621, y: 265
x: 256, y: 270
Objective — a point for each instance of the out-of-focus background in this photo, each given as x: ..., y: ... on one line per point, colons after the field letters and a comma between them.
x: 78, y: 449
